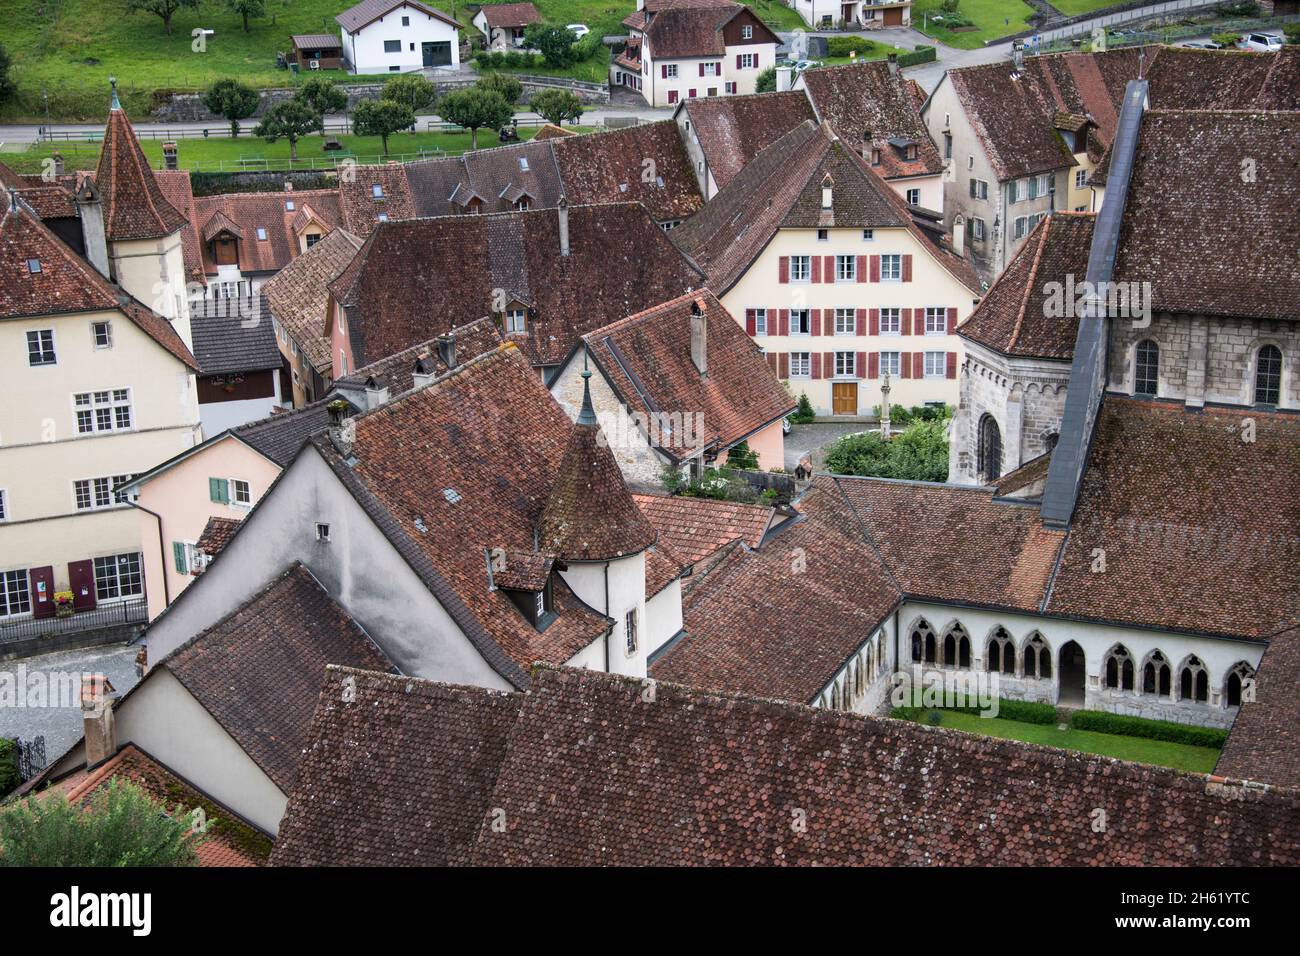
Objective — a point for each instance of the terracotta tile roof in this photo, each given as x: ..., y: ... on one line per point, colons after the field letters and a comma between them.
x: 865, y: 97
x: 249, y: 216
x: 551, y: 131
x: 414, y: 280
x: 368, y: 11
x: 47, y: 200
x: 134, y: 205
x: 216, y: 535
x: 397, y: 370
x: 698, y: 528
x: 221, y: 848
x: 179, y: 192
x: 1180, y: 504
x: 663, y: 566
x: 1026, y: 481
x: 299, y: 293
x: 66, y: 282
x: 1262, y: 745
x: 445, y: 509
x: 611, y: 167
x: 361, y: 208
x: 1183, y: 78
x: 732, y: 129
x: 688, y: 31
x: 1208, y: 243
x: 594, y: 775
x: 1281, y: 87
x: 233, y: 335
x: 523, y: 570
x: 510, y: 14
x: 400, y: 776
x: 647, y: 359
x: 1013, y: 318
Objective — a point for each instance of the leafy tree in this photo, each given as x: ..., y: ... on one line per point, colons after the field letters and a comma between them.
x: 322, y: 95
x: 557, y: 105
x: 804, y: 413
x: 920, y: 453
x: 6, y: 82
x: 766, y: 81
x: 9, y: 778
x: 291, y: 120
x: 411, y: 90
x: 503, y: 83
x: 555, y: 43
x: 233, y: 100
x: 166, y: 9
x: 123, y: 826
x: 381, y: 118
x: 246, y: 9
x: 474, y: 109
x: 741, y: 456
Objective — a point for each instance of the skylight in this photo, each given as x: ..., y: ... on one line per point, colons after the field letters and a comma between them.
x: 288, y: 204
x: 261, y: 233
x: 451, y: 494
x: 377, y: 191
x: 523, y: 163
x: 33, y: 266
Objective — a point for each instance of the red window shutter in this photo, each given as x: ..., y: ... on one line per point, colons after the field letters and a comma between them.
x: 952, y: 364
x: 862, y: 268
x: 952, y: 321
x: 701, y: 69
x: 905, y: 323
x: 918, y: 365
x: 907, y: 268
x: 664, y: 70
x: 828, y: 268
x: 785, y: 365
x: 905, y: 364
x: 873, y: 370
x: 828, y: 363
x: 785, y: 323
x: 861, y: 365
x: 862, y: 322
x: 816, y: 365
x: 772, y: 363
x: 815, y: 326
x: 738, y: 66
x: 783, y: 268
x: 816, y: 268
x: 875, y: 268
x: 751, y: 321
x: 875, y: 321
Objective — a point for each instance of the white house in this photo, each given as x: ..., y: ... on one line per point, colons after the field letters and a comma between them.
x: 503, y: 24
x: 869, y: 14
x: 398, y: 36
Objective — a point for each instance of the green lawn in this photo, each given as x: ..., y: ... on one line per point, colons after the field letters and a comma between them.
x: 1139, y: 749
x: 995, y: 18
x: 1074, y: 7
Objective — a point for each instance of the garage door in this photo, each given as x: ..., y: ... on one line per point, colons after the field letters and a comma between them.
x: 437, y: 54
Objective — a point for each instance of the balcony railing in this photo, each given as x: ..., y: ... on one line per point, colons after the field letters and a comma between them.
x: 106, y: 615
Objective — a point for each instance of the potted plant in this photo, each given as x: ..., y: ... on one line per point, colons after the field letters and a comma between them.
x: 63, y: 604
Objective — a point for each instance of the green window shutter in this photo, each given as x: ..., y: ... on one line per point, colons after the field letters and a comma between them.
x: 178, y: 552
x: 219, y: 490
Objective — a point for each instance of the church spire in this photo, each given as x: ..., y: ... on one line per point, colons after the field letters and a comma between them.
x: 588, y: 414
x: 114, y: 103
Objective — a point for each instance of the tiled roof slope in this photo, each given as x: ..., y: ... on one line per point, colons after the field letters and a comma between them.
x: 869, y: 97
x: 299, y: 293
x: 396, y: 372
x: 402, y: 775
x: 510, y: 14
x: 645, y: 163
x: 367, y: 11
x: 134, y: 205
x: 781, y: 621
x: 1263, y: 744
x: 1186, y: 511
x: 1182, y: 79
x: 66, y: 282
x: 647, y: 358
x: 47, y: 200
x: 596, y: 775
x: 1206, y: 242
x: 732, y: 129
x: 178, y: 189
x: 458, y: 468
x: 361, y: 208
x: 280, y: 436
x: 1013, y: 318
x: 414, y: 280
x: 689, y: 31
x: 249, y: 212
x: 216, y: 535
x: 233, y: 335
x: 257, y: 671
x: 697, y: 528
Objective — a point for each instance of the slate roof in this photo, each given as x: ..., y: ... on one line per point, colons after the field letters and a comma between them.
x: 864, y: 97
x: 257, y: 670
x: 1013, y: 317
x: 583, y: 771
x: 233, y: 335
x: 216, y: 535
x: 367, y: 11
x: 1262, y: 745
x: 646, y: 357
x: 611, y: 167
x: 417, y: 279
x: 731, y: 130
x: 280, y: 436
x: 510, y: 14
x: 298, y: 294
x: 134, y: 205
x: 400, y: 776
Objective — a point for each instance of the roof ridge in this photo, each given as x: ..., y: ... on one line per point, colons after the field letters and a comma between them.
x: 502, y: 349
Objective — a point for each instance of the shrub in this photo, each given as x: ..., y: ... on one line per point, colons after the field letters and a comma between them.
x: 740, y: 456
x: 1227, y: 39
x: 1125, y: 726
x: 1238, y: 11
x: 509, y: 88
x: 804, y: 413
x: 1292, y: 32
x: 922, y: 54
x: 766, y: 81
x: 843, y: 46
x: 8, y: 766
x: 920, y: 453
x: 1024, y: 711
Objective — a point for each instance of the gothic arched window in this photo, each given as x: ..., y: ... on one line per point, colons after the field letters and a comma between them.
x: 1001, y: 655
x: 1155, y: 675
x: 1038, y: 659
x: 1119, y: 668
x: 989, y: 453
x: 1268, y: 376
x: 923, y: 642
x: 956, y: 647
x: 1146, y: 368
x: 1193, y: 681
x: 1234, y: 687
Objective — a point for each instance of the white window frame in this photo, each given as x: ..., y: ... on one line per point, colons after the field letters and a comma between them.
x: 895, y: 320
x: 670, y: 71
x: 849, y: 314
x: 747, y: 33
x: 53, y: 348
x: 748, y: 61
x: 516, y: 321
x: 233, y: 493
x: 846, y: 268
x: 868, y: 235
x: 805, y: 360
x: 1080, y: 179
x: 846, y: 364
x: 891, y: 267
x: 108, y: 335
x: 803, y: 274
x: 4, y: 505
x: 712, y: 68
x: 977, y: 230
x: 940, y: 313
x: 630, y: 637
x: 913, y: 192
x: 113, y: 404
x: 891, y: 358
x: 938, y: 358
x: 760, y: 322
x: 19, y: 576
x: 1020, y: 227
x: 95, y: 488
x: 807, y: 315
x: 120, y: 596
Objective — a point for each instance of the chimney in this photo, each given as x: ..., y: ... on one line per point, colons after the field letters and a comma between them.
x: 376, y: 394
x: 13, y: 199
x: 169, y: 156
x: 58, y: 164
x: 97, y: 718
x: 893, y: 64
x: 784, y: 74
x: 1018, y: 56
x: 288, y: 185
x: 90, y: 211
x: 342, y: 429
x: 699, y: 339
x: 423, y: 373
x: 447, y: 349
x: 959, y: 236
x: 563, y: 209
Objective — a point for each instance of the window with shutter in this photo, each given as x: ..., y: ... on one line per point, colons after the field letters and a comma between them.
x: 218, y: 490
x: 178, y: 554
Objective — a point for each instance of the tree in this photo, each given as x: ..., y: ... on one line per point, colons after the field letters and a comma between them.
x: 381, y: 118
x: 411, y: 90
x: 291, y: 120
x: 247, y: 8
x: 920, y: 453
x: 741, y: 456
x: 161, y: 8
x: 322, y: 95
x: 766, y: 81
x: 555, y: 43
x: 123, y: 826
x: 475, y: 109
x: 6, y: 82
x: 509, y: 88
x: 557, y: 105
x: 233, y: 100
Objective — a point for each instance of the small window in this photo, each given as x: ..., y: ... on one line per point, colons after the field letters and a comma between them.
x: 40, y: 347
x: 1080, y: 178
x: 392, y: 46
x: 846, y: 268
x: 914, y: 197
x: 1146, y: 368
x: 891, y: 268
x: 629, y: 630
x: 240, y: 492
x: 322, y: 531
x: 868, y: 235
x: 103, y: 332
x: 747, y: 32
x: 394, y: 69
x: 4, y: 506
x: 1268, y: 376
x: 800, y: 364
x: 516, y: 321
x: 800, y: 268
x: 406, y: 21
x: 977, y: 230
x: 261, y: 234
x: 33, y: 266
x: 823, y: 235
x: 383, y: 217
x: 523, y: 164
x: 760, y: 321
x: 313, y: 238
x: 288, y: 204
x: 539, y: 605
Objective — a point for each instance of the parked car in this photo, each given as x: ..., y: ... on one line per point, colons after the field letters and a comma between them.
x: 1260, y: 42
x: 1204, y: 45
x: 579, y: 30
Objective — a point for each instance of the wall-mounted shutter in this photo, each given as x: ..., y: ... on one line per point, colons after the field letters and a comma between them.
x: 784, y: 318
x: 828, y: 364
x: 952, y: 364
x: 905, y: 322
x: 664, y: 70
x: 905, y: 364
x: 772, y: 363
x: 918, y: 365
x: 860, y: 367
x: 751, y: 322
x: 815, y: 326
x: 862, y: 268
x: 828, y: 268
x: 816, y: 365
x: 784, y: 371
x: 783, y: 268
x: 738, y: 61
x: 701, y: 69
x: 875, y: 268
x: 952, y: 321
x: 907, y: 268
x: 861, y: 322
x: 875, y: 321
x: 817, y: 269
x: 178, y: 555
x: 873, y: 368
x: 219, y: 490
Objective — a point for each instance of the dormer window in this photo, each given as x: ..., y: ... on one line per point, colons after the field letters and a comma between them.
x: 516, y: 321
x: 827, y: 193
x: 523, y: 164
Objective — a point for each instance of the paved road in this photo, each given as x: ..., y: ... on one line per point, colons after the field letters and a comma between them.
x: 815, y: 438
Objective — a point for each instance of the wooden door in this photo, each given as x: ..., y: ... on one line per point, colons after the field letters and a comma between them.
x: 42, y: 591
x: 844, y: 398
x: 893, y: 18
x: 81, y: 575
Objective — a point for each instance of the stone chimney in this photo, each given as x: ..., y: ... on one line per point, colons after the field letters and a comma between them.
x: 90, y: 211
x: 893, y: 64
x: 563, y: 212
x: 423, y: 373
x: 447, y: 350
x: 342, y: 430
x: 169, y: 156
x: 376, y: 394
x: 784, y: 78
x: 700, y: 338
x: 1018, y: 56
x: 97, y: 718
x: 57, y: 158
x: 959, y: 236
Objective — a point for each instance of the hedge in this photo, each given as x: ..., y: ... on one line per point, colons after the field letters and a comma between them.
x: 843, y: 46
x: 922, y: 54
x: 1027, y: 712
x: 1105, y: 723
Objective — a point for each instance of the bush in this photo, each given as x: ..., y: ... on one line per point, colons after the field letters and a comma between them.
x: 922, y: 54
x: 509, y: 88
x: 1292, y: 32
x: 804, y: 413
x: 766, y: 81
x: 1227, y: 39
x: 1238, y: 11
x: 920, y: 453
x: 740, y: 456
x: 8, y: 766
x: 843, y: 46
x: 1122, y: 725
x: 1024, y: 711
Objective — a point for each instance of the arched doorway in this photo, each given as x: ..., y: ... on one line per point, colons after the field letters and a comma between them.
x: 1072, y: 670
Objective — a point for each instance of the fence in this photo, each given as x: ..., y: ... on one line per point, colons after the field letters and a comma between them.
x: 1174, y: 33
x: 219, y: 130
x: 30, y: 757
x: 106, y: 615
x: 1085, y: 23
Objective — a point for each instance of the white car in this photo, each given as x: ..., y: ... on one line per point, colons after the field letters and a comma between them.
x: 579, y: 30
x: 1260, y: 42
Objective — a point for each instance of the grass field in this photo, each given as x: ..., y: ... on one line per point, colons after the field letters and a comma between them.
x: 1139, y: 749
x: 1073, y: 8
x: 995, y: 18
